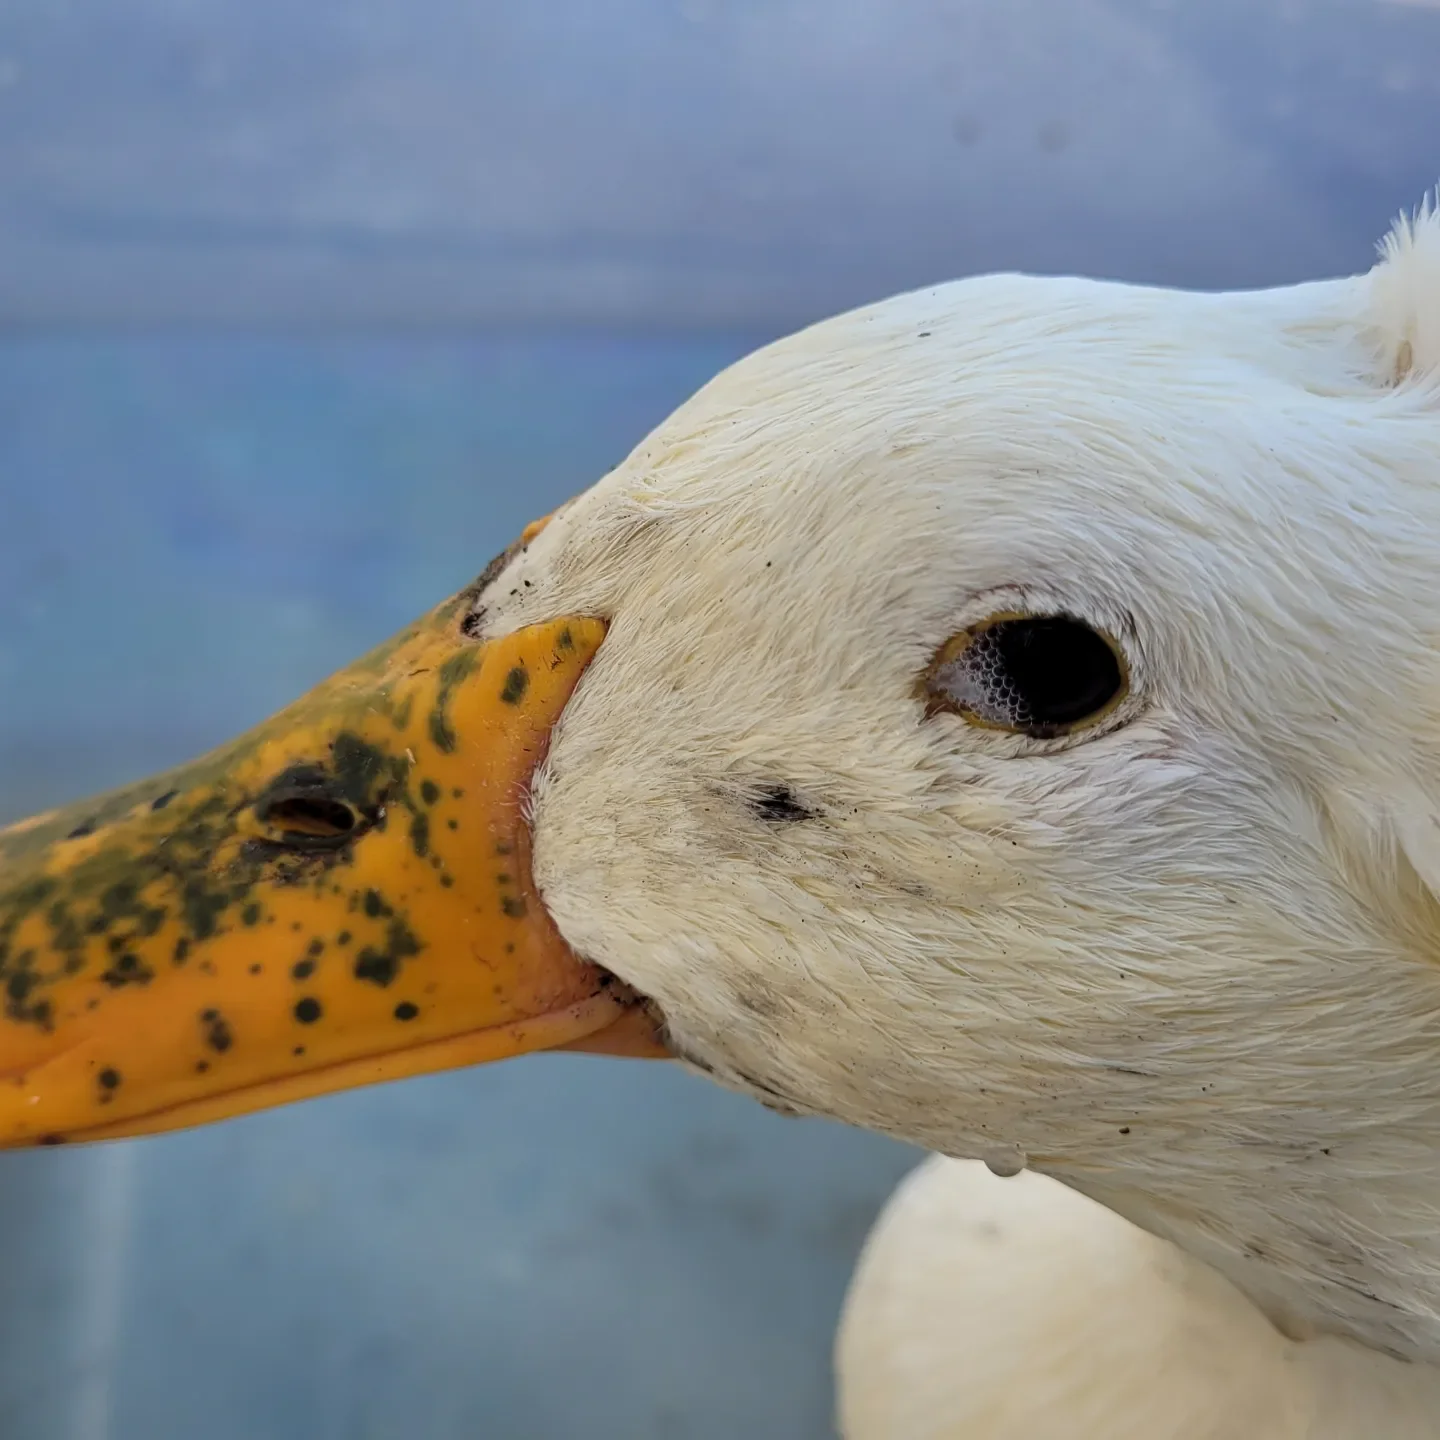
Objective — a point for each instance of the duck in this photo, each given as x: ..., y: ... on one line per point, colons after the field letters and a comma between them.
x: 1005, y: 717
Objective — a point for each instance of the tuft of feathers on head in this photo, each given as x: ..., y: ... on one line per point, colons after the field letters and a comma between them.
x: 1404, y: 300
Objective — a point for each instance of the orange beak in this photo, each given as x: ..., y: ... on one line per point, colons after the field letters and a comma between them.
x: 341, y: 896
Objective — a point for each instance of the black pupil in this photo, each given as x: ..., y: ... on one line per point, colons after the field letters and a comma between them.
x: 1060, y: 670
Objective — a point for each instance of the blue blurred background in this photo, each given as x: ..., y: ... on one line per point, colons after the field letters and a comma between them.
x: 304, y: 311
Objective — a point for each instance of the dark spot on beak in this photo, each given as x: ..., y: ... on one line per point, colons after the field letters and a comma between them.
x: 452, y: 672
x: 514, y: 907
x: 303, y: 969
x: 127, y: 969
x: 217, y: 1031
x: 307, y: 1011
x: 109, y: 1078
x: 441, y: 732
x: 86, y: 827
x: 406, y: 1011
x: 161, y: 801
x: 429, y: 791
x: 118, y: 899
x: 250, y: 915
x: 373, y: 966
x: 202, y: 908
x: 517, y: 682
x: 380, y: 966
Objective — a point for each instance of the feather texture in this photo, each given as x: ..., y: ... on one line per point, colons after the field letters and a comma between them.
x: 1185, y: 961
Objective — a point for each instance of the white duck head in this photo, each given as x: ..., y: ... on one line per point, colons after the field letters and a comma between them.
x: 1013, y: 725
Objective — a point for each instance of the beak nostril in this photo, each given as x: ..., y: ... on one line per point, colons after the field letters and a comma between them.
x: 307, y: 821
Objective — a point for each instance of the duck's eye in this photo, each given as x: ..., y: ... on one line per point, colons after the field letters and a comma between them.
x: 1037, y: 675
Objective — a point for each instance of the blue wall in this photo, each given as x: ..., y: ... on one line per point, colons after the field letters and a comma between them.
x: 687, y: 161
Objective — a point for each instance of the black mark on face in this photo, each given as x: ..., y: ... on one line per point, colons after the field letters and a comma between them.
x: 778, y: 804
x: 474, y: 622
x: 307, y: 1011
x: 406, y: 1011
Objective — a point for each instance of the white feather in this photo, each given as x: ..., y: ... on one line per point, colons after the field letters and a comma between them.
x: 1405, y: 296
x: 1019, y: 1310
